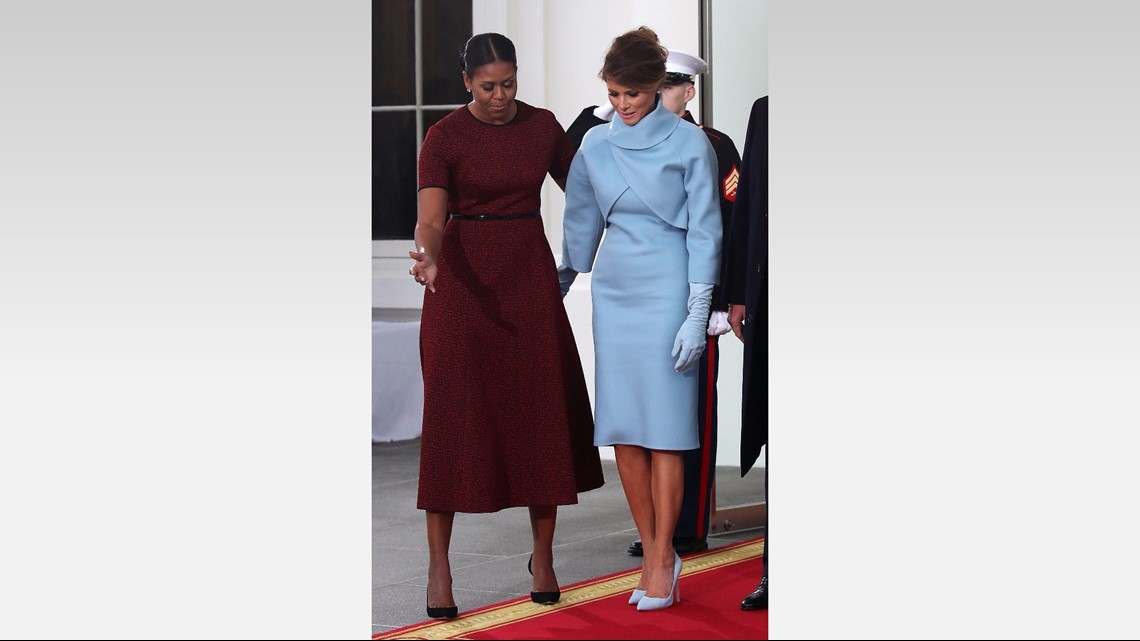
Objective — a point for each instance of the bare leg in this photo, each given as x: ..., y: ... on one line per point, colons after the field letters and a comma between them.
x: 668, y: 483
x: 439, y: 567
x: 542, y: 519
x: 633, y: 465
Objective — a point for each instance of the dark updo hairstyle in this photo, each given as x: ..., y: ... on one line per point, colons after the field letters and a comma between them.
x: 486, y: 48
x: 636, y: 59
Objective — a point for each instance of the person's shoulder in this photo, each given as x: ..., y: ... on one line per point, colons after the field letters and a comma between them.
x: 528, y: 112
x: 594, y: 136
x: 716, y: 136
x: 588, y: 113
x: 452, y: 120
x: 759, y: 109
x: 687, y: 132
x: 587, y: 119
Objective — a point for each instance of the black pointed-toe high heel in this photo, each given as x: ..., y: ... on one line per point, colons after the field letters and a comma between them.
x: 446, y: 612
x: 443, y: 612
x: 542, y: 598
x: 546, y: 598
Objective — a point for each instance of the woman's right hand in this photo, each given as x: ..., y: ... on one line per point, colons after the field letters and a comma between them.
x: 424, y: 270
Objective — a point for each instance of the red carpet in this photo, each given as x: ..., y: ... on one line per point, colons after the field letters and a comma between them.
x: 712, y: 585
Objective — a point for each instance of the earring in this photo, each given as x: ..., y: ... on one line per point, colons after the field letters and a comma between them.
x: 468, y: 91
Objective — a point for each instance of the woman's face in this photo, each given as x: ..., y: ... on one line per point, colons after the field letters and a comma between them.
x: 630, y: 104
x: 493, y: 91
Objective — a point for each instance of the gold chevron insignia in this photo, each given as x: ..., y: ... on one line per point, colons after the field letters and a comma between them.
x: 730, y: 182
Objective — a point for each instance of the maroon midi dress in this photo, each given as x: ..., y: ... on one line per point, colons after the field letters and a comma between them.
x: 507, y: 418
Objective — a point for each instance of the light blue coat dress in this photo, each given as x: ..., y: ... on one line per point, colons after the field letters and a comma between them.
x: 651, y: 188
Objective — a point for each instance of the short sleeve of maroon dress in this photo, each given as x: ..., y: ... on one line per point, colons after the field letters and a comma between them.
x: 507, y: 419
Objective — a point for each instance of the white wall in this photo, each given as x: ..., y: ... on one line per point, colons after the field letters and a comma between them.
x: 560, y: 46
x: 740, y: 72
x: 740, y: 76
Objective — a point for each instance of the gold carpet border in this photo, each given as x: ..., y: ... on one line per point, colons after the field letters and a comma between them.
x: 515, y: 611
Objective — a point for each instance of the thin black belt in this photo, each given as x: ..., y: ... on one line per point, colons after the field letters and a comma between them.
x: 529, y: 214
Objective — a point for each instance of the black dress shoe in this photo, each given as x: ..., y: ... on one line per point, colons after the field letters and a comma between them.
x: 634, y: 548
x: 758, y: 600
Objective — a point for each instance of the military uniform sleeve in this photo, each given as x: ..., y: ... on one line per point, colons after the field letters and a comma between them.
x: 728, y: 168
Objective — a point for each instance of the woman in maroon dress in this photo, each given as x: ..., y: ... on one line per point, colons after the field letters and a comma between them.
x: 507, y: 418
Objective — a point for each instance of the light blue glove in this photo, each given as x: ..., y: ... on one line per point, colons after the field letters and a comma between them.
x: 690, y: 341
x: 566, y: 278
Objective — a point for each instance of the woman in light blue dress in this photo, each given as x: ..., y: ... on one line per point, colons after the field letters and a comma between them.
x: 648, y: 182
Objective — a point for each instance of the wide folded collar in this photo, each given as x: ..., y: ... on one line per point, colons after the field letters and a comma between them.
x: 655, y: 127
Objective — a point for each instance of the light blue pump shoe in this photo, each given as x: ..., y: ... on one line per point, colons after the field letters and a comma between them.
x: 674, y: 596
x: 636, y: 596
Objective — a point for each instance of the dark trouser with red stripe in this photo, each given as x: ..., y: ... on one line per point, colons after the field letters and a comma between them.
x: 700, y: 464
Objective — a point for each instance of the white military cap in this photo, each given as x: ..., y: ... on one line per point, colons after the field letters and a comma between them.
x: 685, y: 64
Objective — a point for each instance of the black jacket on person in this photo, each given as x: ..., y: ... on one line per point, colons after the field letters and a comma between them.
x: 747, y: 280
x: 583, y: 123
